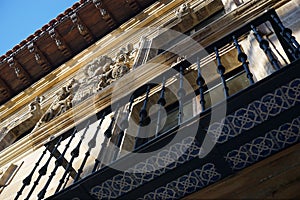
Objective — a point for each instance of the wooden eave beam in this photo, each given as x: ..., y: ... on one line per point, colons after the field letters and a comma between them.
x: 39, y: 57
x: 19, y: 70
x: 133, y: 4
x: 5, y: 90
x: 60, y: 43
x: 82, y: 28
x: 105, y: 14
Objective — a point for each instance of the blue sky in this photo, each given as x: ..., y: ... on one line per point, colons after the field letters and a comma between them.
x: 21, y: 18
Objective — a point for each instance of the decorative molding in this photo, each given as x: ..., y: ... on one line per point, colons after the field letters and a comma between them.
x: 106, y: 16
x: 103, y: 71
x: 4, y: 89
x: 82, y: 28
x: 245, y: 118
x: 262, y: 147
x: 133, y: 4
x: 184, y: 9
x: 60, y: 42
x: 162, y: 162
x: 186, y: 184
x: 43, y: 85
x: 61, y: 103
x: 20, y: 72
x: 20, y: 124
x: 35, y: 106
x: 144, y: 52
x: 39, y: 57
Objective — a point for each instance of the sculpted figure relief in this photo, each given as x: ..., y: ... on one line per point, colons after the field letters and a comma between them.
x: 182, y: 10
x: 120, y: 65
x: 104, y: 71
x: 97, y: 75
x: 35, y: 106
x: 3, y: 131
x: 61, y: 103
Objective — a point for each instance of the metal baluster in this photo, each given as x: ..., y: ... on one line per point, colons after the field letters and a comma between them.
x: 142, y: 122
x: 162, y: 102
x: 264, y: 45
x: 181, y: 93
x: 97, y: 162
x: 108, y: 133
x: 124, y: 125
x: 242, y: 57
x: 201, y: 83
x: 221, y: 71
x: 74, y: 154
x: 67, y: 179
x: 287, y: 35
x: 91, y: 145
x: 27, y: 180
x: 43, y: 170
x: 58, y: 163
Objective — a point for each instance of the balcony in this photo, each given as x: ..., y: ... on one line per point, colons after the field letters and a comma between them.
x: 214, y: 126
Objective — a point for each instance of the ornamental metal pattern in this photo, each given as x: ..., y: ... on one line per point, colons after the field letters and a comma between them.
x: 221, y: 132
x: 245, y: 118
x: 149, y: 169
x: 262, y: 147
x: 271, y: 104
x: 292, y: 92
x: 186, y: 184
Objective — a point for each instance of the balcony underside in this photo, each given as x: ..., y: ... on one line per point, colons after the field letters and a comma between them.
x: 262, y: 126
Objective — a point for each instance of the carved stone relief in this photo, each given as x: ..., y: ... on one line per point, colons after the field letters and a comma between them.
x: 61, y: 103
x: 105, y: 70
x: 96, y: 75
x: 35, y: 106
x: 183, y: 10
x: 3, y: 132
x: 21, y: 123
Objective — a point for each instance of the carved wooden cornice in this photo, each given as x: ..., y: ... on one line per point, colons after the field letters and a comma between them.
x: 106, y: 16
x: 82, y: 28
x: 60, y: 42
x: 4, y: 89
x: 20, y: 72
x: 40, y: 58
x: 133, y: 4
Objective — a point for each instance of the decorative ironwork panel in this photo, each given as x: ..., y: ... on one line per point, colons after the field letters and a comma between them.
x: 292, y: 92
x: 221, y: 132
x: 186, y: 184
x: 123, y: 183
x: 287, y: 134
x: 149, y: 169
x: 239, y: 158
x: 263, y: 146
x: 246, y: 118
x: 271, y: 104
